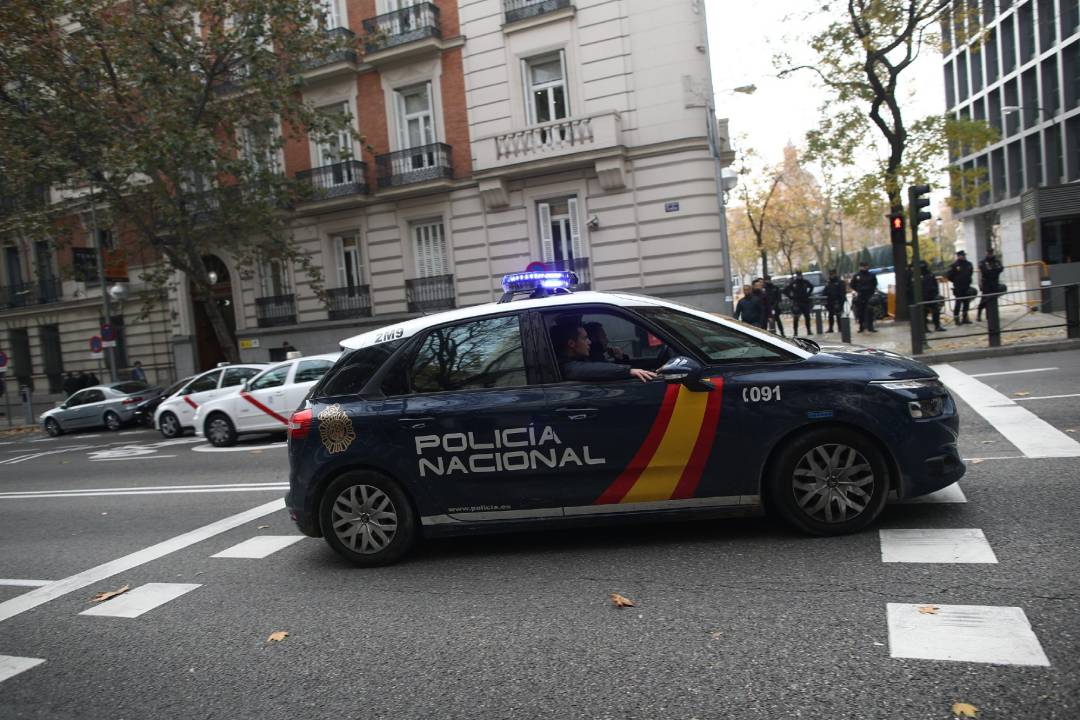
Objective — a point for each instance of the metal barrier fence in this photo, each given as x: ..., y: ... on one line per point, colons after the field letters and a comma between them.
x: 1059, y: 301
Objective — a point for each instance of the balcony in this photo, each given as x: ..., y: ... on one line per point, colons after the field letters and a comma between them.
x: 402, y: 33
x: 38, y: 292
x: 337, y: 62
x: 349, y: 302
x: 515, y: 10
x: 415, y: 165
x: 590, y: 141
x: 275, y: 310
x: 337, y: 180
x: 580, y: 266
x: 430, y: 293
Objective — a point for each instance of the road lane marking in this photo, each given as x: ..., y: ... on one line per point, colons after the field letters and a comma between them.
x: 10, y: 666
x: 240, y: 448
x: 131, y: 457
x: 943, y: 545
x: 151, y: 487
x: 74, y: 494
x: 140, y: 600
x: 1046, y: 397
x: 40, y: 596
x: 965, y: 633
x: 1031, y: 435
x: 259, y: 547
x: 23, y: 458
x: 950, y: 494
x: 1011, y: 372
x: 11, y: 582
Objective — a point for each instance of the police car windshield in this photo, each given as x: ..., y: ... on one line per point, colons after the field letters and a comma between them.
x: 719, y: 344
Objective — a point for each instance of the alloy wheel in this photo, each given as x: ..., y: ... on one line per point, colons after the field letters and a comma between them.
x: 219, y: 431
x: 112, y: 421
x: 170, y: 426
x: 364, y: 519
x: 833, y: 483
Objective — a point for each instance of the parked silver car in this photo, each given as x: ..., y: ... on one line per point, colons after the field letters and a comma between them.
x: 109, y: 406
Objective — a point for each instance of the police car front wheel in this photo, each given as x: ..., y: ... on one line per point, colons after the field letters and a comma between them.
x: 829, y: 481
x: 367, y: 519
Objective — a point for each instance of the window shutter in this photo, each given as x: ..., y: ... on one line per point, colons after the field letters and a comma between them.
x: 526, y: 91
x: 440, y: 264
x: 575, y: 228
x: 547, y: 244
x: 402, y: 125
x: 339, y: 251
x: 566, y: 89
x: 429, y: 129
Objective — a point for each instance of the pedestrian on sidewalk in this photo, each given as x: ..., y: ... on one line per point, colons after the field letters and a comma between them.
x: 800, y: 290
x: 759, y: 292
x: 930, y: 292
x: 772, y: 296
x: 960, y: 274
x: 750, y: 308
x: 990, y: 269
x: 835, y: 297
x: 864, y: 283
x: 137, y: 372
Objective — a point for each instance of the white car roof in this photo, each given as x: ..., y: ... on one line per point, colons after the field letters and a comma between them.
x: 408, y: 328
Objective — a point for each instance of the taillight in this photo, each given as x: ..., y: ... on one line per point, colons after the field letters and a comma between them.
x: 300, y: 424
x: 131, y: 400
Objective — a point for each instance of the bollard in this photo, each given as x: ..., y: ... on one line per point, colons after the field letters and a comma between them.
x: 1072, y: 311
x: 817, y: 321
x: 28, y: 405
x: 918, y: 328
x: 845, y: 329
x: 993, y: 321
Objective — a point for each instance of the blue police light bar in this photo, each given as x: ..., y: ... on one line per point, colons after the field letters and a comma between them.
x: 539, y: 279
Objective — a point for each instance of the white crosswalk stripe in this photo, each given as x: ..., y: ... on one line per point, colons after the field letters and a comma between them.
x: 10, y: 666
x: 950, y: 494
x: 943, y: 545
x: 967, y: 633
x: 259, y: 547
x: 140, y: 600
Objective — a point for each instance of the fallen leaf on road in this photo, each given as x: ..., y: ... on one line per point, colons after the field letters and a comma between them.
x: 928, y: 609
x: 716, y: 635
x: 988, y: 442
x: 964, y: 710
x: 619, y: 601
x: 1070, y: 430
x: 262, y: 527
x: 103, y: 596
x: 1021, y: 393
x: 277, y: 636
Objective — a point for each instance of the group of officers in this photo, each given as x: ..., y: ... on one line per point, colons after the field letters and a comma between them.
x: 760, y: 303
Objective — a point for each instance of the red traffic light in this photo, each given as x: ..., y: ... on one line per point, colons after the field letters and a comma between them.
x: 897, y: 222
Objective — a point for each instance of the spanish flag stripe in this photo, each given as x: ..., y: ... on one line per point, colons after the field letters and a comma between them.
x: 691, y: 476
x: 629, y: 476
x: 659, y: 479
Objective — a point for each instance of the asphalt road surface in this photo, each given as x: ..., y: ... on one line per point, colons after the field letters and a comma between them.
x: 740, y: 619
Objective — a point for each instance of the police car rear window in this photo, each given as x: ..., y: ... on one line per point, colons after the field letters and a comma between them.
x: 352, y: 371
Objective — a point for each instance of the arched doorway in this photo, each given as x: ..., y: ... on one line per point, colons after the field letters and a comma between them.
x: 207, y: 346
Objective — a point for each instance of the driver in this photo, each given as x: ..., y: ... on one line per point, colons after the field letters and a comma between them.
x: 571, y: 342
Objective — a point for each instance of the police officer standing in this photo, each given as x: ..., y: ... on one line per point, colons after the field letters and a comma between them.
x: 930, y: 292
x: 960, y: 274
x: 751, y: 307
x: 772, y: 300
x: 799, y: 290
x: 835, y: 296
x: 990, y: 269
x: 864, y: 283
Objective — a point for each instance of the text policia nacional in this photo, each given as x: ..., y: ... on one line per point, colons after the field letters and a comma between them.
x: 496, y: 451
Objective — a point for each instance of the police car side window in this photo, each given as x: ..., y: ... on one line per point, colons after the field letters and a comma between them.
x: 713, y: 340
x: 483, y: 353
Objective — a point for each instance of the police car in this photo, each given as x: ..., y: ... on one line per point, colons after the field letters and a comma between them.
x: 263, y: 403
x: 176, y: 415
x: 466, y: 421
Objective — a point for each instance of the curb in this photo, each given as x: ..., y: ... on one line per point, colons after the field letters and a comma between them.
x: 1005, y: 351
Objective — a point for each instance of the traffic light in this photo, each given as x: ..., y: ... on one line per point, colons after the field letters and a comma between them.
x: 896, y: 229
x: 917, y: 200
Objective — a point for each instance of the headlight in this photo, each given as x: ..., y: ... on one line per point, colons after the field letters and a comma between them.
x: 925, y: 397
x: 914, y: 384
x: 929, y: 408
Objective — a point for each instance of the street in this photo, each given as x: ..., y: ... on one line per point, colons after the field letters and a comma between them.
x: 739, y: 618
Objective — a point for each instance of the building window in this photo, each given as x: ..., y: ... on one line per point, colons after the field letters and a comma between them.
x: 560, y: 234
x: 545, y: 84
x: 12, y: 267
x: 338, y: 146
x: 416, y: 122
x: 331, y: 18
x: 430, y: 249
x: 258, y: 144
x: 350, y: 263
x: 275, y: 278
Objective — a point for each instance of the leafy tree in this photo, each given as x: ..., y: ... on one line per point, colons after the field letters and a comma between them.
x: 169, y: 115
x: 860, y: 56
x: 756, y: 191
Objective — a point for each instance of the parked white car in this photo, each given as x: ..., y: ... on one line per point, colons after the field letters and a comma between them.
x: 264, y: 403
x: 176, y: 415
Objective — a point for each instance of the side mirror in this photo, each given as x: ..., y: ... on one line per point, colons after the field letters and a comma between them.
x: 685, y: 371
x: 61, y: 405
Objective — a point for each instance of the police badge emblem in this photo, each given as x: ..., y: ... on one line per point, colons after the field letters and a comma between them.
x: 336, y: 429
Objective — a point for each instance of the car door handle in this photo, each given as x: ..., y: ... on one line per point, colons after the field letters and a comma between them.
x: 415, y: 422
x: 577, y: 413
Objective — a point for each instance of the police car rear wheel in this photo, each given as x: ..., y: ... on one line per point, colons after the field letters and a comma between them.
x: 367, y: 519
x: 219, y: 431
x: 829, y: 482
x: 169, y: 425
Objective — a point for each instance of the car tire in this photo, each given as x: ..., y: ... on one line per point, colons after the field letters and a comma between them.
x: 53, y: 428
x: 112, y: 421
x: 219, y: 430
x: 820, y: 477
x: 169, y: 426
x: 375, y: 521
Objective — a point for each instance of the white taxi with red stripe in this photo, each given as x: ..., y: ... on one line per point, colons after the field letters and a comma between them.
x: 263, y: 403
x: 176, y: 415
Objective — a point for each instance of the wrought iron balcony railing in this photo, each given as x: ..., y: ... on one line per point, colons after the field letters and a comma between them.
x: 514, y: 10
x: 349, y: 302
x: 335, y: 180
x: 341, y: 34
x: 275, y: 310
x: 409, y: 24
x: 36, y: 292
x: 430, y: 293
x: 418, y: 164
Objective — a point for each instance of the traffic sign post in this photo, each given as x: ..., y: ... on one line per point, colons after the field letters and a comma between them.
x: 96, y: 344
x: 7, y: 396
x: 108, y: 335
